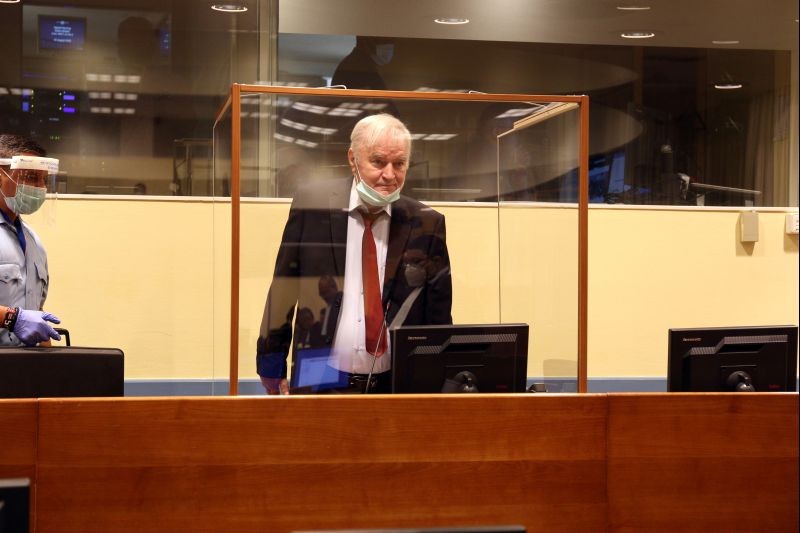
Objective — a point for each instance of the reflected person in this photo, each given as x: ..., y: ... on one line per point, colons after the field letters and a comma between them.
x: 356, y: 231
x: 359, y: 69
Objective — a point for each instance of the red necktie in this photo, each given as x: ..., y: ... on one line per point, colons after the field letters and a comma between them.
x: 373, y: 310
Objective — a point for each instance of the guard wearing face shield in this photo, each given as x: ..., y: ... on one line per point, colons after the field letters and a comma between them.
x: 26, y: 176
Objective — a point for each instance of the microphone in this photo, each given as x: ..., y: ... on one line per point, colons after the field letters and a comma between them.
x: 384, y: 325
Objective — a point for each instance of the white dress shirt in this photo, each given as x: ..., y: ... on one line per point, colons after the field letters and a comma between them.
x: 349, y: 353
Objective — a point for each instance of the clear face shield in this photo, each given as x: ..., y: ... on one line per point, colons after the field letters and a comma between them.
x: 35, y: 179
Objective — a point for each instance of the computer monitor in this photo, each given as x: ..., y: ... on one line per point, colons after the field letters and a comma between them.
x: 15, y: 496
x: 61, y: 371
x: 460, y: 358
x: 62, y: 33
x: 759, y: 358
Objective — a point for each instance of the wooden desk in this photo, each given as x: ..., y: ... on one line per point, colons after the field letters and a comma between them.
x: 703, y: 462
x: 282, y: 464
x: 18, y: 437
x: 18, y: 426
x: 591, y: 462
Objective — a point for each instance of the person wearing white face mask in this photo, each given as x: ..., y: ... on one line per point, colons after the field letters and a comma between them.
x: 359, y: 69
x: 24, y: 277
x: 358, y: 231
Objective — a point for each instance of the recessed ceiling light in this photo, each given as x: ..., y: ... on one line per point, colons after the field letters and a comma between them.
x: 229, y: 8
x: 450, y: 20
x: 727, y: 86
x: 637, y: 34
x: 633, y: 8
x: 732, y: 41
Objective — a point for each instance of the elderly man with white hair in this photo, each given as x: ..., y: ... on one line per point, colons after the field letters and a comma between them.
x: 385, y: 250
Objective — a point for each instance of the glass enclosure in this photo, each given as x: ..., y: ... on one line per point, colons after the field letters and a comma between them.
x: 127, y: 99
x: 688, y: 129
x: 539, y: 245
x: 486, y: 149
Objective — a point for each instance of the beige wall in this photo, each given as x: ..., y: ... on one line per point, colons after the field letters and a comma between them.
x: 152, y: 277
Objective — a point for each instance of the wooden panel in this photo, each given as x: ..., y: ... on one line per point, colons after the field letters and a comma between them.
x: 18, y: 419
x: 703, y: 462
x: 18, y: 427
x: 282, y: 464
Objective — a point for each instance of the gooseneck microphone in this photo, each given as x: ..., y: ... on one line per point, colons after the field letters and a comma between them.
x: 374, y: 352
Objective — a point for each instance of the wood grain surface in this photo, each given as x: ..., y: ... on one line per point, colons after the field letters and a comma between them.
x: 18, y: 421
x: 284, y: 464
x: 610, y: 462
x: 703, y: 462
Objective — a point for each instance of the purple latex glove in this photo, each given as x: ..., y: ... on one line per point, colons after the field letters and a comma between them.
x: 32, y: 327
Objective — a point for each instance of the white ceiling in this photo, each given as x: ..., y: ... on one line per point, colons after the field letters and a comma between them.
x: 757, y: 24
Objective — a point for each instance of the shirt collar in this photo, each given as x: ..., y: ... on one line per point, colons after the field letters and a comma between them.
x: 356, y: 202
x: 17, y: 222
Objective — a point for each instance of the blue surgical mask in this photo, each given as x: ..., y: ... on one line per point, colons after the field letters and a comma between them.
x: 28, y: 199
x: 372, y: 197
x: 384, y: 54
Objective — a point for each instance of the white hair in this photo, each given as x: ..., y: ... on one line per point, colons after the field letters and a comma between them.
x: 369, y: 129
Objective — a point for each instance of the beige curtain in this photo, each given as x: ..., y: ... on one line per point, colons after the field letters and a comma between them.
x: 767, y: 147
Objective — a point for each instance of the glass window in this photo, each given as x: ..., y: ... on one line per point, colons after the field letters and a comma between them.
x: 669, y: 126
x: 125, y: 94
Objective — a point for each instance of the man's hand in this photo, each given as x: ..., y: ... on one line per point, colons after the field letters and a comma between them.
x: 275, y: 385
x: 32, y: 327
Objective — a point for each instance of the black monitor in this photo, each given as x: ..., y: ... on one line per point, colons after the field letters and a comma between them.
x: 759, y: 358
x: 460, y: 358
x: 61, y: 371
x: 15, y: 496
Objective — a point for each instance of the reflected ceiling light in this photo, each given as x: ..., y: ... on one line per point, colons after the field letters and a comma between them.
x: 343, y: 111
x: 517, y: 112
x: 432, y: 136
x: 229, y: 8
x: 9, y: 1
x: 439, y: 136
x: 731, y: 41
x: 292, y: 124
x: 637, y: 34
x: 633, y: 8
x: 311, y: 108
x: 322, y: 131
x: 450, y: 20
x: 727, y: 86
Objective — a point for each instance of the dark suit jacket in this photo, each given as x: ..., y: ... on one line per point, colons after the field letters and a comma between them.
x: 314, y: 244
